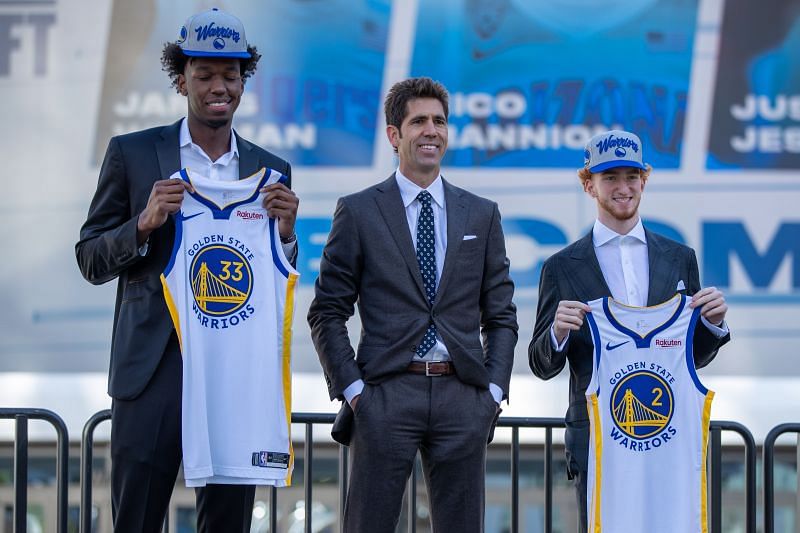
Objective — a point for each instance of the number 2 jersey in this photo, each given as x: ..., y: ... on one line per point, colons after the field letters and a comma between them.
x: 230, y: 293
x: 649, y: 417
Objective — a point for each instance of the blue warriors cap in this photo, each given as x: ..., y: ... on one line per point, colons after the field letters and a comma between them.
x: 615, y: 148
x: 213, y: 33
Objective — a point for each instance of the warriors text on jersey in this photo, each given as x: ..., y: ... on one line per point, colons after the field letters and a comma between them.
x: 230, y: 292
x: 649, y: 417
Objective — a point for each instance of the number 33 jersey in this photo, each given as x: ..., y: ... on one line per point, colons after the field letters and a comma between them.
x: 230, y: 293
x: 649, y: 417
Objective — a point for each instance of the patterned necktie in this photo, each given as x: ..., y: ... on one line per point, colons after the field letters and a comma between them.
x: 426, y: 257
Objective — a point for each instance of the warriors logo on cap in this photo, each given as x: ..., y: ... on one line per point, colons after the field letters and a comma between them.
x: 615, y: 148
x: 213, y: 33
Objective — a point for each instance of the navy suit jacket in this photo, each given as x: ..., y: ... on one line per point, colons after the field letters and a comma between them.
x: 108, y: 249
x: 574, y: 274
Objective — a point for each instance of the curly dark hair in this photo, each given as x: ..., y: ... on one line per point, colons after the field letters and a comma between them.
x: 173, y: 62
x: 395, y: 107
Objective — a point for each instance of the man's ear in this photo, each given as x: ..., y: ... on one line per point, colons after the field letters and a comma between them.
x: 182, y: 85
x: 393, y: 134
x: 588, y: 188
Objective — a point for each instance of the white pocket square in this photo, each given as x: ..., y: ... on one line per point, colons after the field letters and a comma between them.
x: 681, y: 286
x: 470, y: 237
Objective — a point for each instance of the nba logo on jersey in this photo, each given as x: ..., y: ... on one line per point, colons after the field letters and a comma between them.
x: 649, y: 417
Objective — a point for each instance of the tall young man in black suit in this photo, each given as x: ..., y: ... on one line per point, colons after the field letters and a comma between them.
x: 128, y: 234
x: 618, y: 258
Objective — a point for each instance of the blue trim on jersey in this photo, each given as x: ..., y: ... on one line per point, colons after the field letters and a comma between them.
x: 690, y: 351
x: 176, y: 244
x: 224, y: 213
x: 276, y: 259
x: 598, y: 345
x: 643, y: 342
x: 185, y: 176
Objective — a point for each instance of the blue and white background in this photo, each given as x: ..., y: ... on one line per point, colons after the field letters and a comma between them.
x: 530, y: 81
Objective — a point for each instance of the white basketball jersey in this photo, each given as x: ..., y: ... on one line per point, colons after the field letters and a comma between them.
x: 649, y: 417
x: 230, y: 292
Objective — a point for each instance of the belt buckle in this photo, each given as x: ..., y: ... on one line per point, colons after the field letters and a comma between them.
x: 428, y: 369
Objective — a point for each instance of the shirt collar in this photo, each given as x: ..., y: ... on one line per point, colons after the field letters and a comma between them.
x: 409, y: 190
x: 185, y: 139
x: 602, y: 234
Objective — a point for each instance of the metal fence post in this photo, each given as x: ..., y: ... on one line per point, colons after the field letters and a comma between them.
x: 307, y: 473
x: 749, y: 466
x: 87, y: 454
x: 769, y: 472
x: 21, y: 474
x: 344, y: 473
x: 515, y: 479
x: 22, y: 416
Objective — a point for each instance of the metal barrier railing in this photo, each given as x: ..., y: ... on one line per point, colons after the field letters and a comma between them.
x: 548, y: 424
x: 308, y: 419
x: 21, y: 418
x: 715, y: 485
x: 515, y: 423
x: 769, y: 472
x: 87, y: 443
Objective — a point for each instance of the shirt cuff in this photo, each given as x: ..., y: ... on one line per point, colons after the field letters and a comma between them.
x: 353, y: 390
x: 497, y: 393
x: 290, y: 250
x: 718, y: 331
x: 143, y: 249
x: 554, y: 341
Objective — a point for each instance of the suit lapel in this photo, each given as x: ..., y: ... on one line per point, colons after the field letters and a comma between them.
x: 390, y: 205
x: 168, y: 151
x: 662, y: 267
x: 586, y: 276
x: 248, y: 158
x: 456, y: 222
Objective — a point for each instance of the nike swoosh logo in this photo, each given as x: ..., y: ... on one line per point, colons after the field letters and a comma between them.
x: 184, y: 217
x: 610, y: 346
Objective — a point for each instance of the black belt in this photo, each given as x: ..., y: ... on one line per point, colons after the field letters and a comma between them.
x: 431, y: 368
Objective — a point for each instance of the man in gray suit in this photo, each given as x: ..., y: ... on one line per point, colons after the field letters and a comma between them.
x: 426, y: 262
x: 618, y: 258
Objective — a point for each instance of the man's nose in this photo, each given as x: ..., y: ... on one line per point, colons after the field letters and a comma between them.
x: 217, y: 85
x: 429, y: 128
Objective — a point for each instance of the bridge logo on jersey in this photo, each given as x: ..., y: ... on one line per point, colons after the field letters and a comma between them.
x: 222, y: 281
x: 641, y: 405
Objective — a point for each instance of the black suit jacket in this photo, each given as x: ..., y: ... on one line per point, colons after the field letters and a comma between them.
x: 107, y: 248
x: 370, y: 258
x: 574, y: 274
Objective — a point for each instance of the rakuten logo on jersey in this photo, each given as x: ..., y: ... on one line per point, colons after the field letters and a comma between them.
x: 249, y: 215
x: 669, y: 343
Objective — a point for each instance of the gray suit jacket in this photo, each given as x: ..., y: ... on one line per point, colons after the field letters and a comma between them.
x: 107, y: 248
x: 574, y: 274
x: 370, y: 259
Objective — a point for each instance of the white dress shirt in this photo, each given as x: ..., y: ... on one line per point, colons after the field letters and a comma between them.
x: 624, y: 263
x: 408, y: 193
